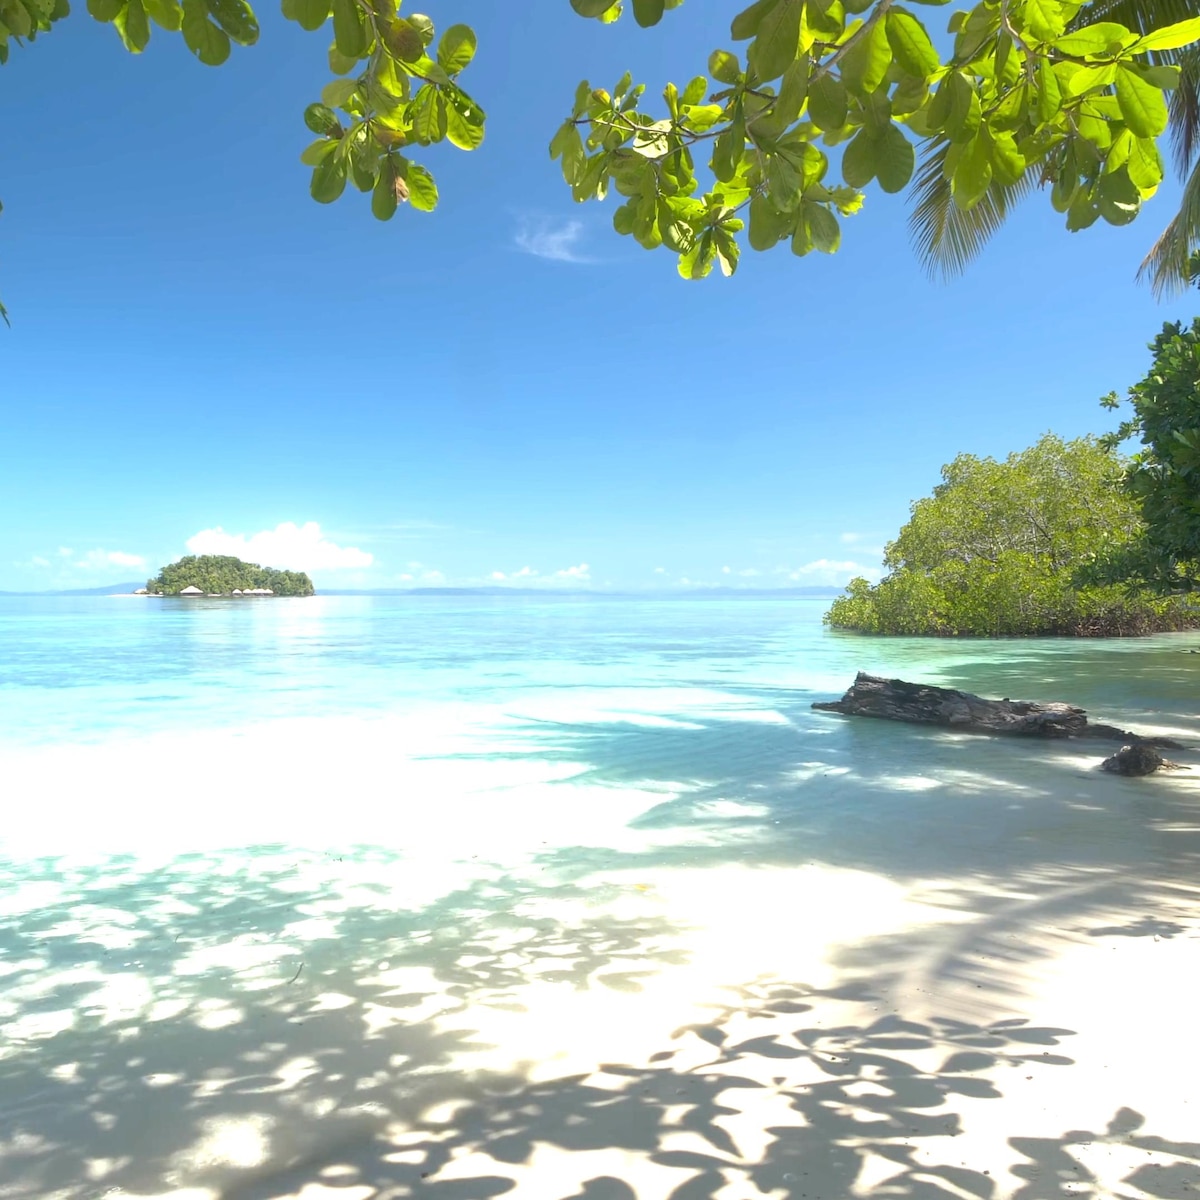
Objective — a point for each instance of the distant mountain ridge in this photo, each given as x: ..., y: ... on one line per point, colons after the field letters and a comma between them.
x: 822, y: 593
x: 113, y: 589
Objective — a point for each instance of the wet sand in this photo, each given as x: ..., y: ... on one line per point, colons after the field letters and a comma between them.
x: 969, y: 972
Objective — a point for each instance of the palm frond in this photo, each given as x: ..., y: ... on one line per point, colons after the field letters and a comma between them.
x: 946, y: 237
x: 1139, y: 15
x: 1185, y: 110
x: 1166, y: 266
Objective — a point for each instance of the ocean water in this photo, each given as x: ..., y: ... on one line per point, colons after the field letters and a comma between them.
x: 279, y: 881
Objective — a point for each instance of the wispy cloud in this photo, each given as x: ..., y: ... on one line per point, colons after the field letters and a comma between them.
x: 557, y: 240
x: 579, y: 574
x: 831, y: 572
x: 525, y: 574
x: 105, y: 560
x: 298, y: 547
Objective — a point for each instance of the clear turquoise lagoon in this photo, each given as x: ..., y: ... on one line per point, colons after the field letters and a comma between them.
x: 288, y: 887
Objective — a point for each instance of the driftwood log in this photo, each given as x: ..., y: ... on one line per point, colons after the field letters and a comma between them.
x: 924, y: 704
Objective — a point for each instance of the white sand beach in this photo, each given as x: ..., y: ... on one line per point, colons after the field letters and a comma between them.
x: 979, y: 985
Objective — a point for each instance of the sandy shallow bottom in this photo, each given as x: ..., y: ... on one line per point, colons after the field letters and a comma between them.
x: 496, y: 975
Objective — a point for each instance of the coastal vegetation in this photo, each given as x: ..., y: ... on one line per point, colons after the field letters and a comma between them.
x: 1164, y: 477
x: 1007, y: 548
x: 222, y: 574
x: 1053, y: 94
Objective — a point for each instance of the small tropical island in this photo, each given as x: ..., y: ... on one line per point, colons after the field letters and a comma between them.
x: 224, y: 575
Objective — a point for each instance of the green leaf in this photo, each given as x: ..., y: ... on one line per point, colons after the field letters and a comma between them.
x: 428, y: 115
x: 1083, y: 210
x: 724, y: 66
x: 1045, y: 20
x: 700, y: 118
x: 768, y: 226
x: 1142, y: 104
x: 793, y: 90
x: 422, y: 191
x: 745, y: 24
x: 456, y: 49
x: 910, y: 44
x: 322, y: 119
x: 383, y: 196
x: 858, y: 159
x: 965, y: 111
x: 348, y: 30
x: 461, y: 131
x: 166, y: 14
x: 133, y: 27
x: 1049, y: 94
x: 1105, y: 38
x: 103, y: 10
x: 308, y: 14
x: 827, y: 104
x: 567, y: 144
x: 316, y: 152
x: 1008, y: 163
x: 648, y: 12
x: 728, y: 150
x: 340, y: 64
x: 1119, y: 199
x: 695, y: 92
x: 802, y: 242
x: 778, y: 40
x: 237, y: 18
x: 403, y: 39
x: 867, y: 60
x: 824, y: 232
x: 1145, y: 164
x: 328, y: 179
x: 728, y: 251
x: 592, y: 8
x: 894, y: 159
x: 337, y: 92
x: 676, y: 234
x: 208, y: 42
x: 1170, y: 37
x: 698, y: 262
x: 1087, y: 78
x: 973, y: 174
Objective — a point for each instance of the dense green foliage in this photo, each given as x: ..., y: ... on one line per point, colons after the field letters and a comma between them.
x: 1033, y: 92
x: 1164, y: 478
x: 221, y: 573
x: 995, y: 549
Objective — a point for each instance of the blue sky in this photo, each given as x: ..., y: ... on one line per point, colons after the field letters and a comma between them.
x: 503, y: 386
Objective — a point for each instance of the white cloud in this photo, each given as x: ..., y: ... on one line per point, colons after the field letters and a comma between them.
x: 831, y: 572
x: 848, y: 539
x: 287, y: 546
x: 660, y: 570
x: 39, y: 561
x: 105, y: 560
x: 65, y: 551
x: 579, y: 574
x: 725, y: 570
x: 523, y: 573
x: 555, y: 240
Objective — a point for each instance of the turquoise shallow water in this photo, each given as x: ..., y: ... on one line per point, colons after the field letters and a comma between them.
x: 238, y: 833
x: 89, y: 669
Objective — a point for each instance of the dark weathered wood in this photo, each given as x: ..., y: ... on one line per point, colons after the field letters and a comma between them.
x: 1138, y: 759
x: 924, y: 704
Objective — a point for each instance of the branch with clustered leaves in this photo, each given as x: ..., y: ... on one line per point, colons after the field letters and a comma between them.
x: 1031, y: 91
x: 1028, y: 92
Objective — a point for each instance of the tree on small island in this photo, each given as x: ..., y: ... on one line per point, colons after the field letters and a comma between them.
x: 222, y: 574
